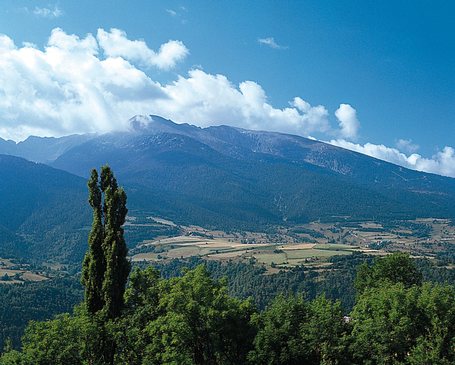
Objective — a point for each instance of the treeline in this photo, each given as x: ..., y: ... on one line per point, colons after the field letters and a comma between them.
x: 43, y: 300
x: 336, y: 282
x: 397, y: 318
x: 38, y: 301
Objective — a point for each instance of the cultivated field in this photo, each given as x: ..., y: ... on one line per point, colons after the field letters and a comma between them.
x: 11, y: 273
x: 309, y: 244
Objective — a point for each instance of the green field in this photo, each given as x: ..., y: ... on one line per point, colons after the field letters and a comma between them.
x: 279, y: 255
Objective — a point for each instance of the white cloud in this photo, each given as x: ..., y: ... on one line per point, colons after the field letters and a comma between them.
x: 54, y: 12
x: 86, y: 84
x: 72, y: 86
x: 348, y: 122
x: 178, y: 13
x: 206, y: 99
x: 442, y: 163
x: 66, y: 88
x: 270, y: 42
x: 407, y: 145
x: 116, y: 44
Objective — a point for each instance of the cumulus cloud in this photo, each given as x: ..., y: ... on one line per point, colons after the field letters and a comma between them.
x: 115, y: 43
x: 206, y: 99
x: 54, y: 12
x: 96, y: 84
x: 86, y: 84
x: 407, y: 145
x: 442, y: 163
x: 348, y: 122
x: 270, y: 42
x: 67, y: 88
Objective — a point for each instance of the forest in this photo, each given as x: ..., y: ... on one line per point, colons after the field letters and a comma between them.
x: 397, y: 318
x: 365, y: 311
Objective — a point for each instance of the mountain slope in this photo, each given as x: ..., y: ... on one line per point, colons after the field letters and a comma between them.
x: 224, y: 175
x: 43, y: 211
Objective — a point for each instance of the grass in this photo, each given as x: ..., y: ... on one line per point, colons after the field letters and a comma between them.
x: 186, y: 251
x: 335, y: 247
x: 285, y: 254
x: 269, y: 258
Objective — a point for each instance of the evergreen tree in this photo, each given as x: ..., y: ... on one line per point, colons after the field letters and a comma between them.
x: 106, y: 268
x: 114, y: 246
x: 94, y: 265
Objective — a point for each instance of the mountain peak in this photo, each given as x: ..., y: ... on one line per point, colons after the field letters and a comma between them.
x: 150, y: 123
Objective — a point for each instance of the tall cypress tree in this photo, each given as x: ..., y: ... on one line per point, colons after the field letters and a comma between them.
x: 105, y: 267
x: 93, y: 267
x: 114, y: 246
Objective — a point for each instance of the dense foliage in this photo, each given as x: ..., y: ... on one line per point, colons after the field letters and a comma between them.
x: 39, y: 301
x: 192, y: 319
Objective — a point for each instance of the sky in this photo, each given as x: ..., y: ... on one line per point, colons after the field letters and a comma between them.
x: 377, y: 77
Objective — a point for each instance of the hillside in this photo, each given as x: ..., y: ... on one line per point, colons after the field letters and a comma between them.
x: 234, y: 176
x: 42, y: 211
x: 218, y: 177
x: 229, y: 177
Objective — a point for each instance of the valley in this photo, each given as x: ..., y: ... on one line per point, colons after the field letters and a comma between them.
x: 311, y: 245
x: 272, y: 213
x: 155, y: 240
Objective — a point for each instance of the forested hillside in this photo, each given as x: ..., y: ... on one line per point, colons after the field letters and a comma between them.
x: 229, y: 177
x: 244, y: 280
x: 397, y: 318
x: 43, y: 214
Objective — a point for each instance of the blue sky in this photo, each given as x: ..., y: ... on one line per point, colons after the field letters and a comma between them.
x: 373, y: 76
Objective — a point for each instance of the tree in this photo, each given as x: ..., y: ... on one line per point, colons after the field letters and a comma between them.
x: 385, y: 324
x: 392, y: 269
x: 94, y: 266
x: 324, y: 332
x: 105, y: 267
x: 292, y: 331
x: 198, y: 323
x: 393, y: 324
x: 278, y: 340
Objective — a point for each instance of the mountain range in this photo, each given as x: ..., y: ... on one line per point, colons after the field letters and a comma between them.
x: 218, y: 176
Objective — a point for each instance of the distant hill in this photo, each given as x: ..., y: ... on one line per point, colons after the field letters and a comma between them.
x: 42, y: 149
x: 43, y: 211
x: 230, y: 176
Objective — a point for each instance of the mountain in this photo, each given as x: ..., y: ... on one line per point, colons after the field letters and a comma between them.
x: 222, y: 177
x: 43, y: 211
x: 234, y: 177
x: 42, y: 149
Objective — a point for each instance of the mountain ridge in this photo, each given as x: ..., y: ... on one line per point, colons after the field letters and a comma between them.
x: 204, y: 164
x: 258, y: 176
